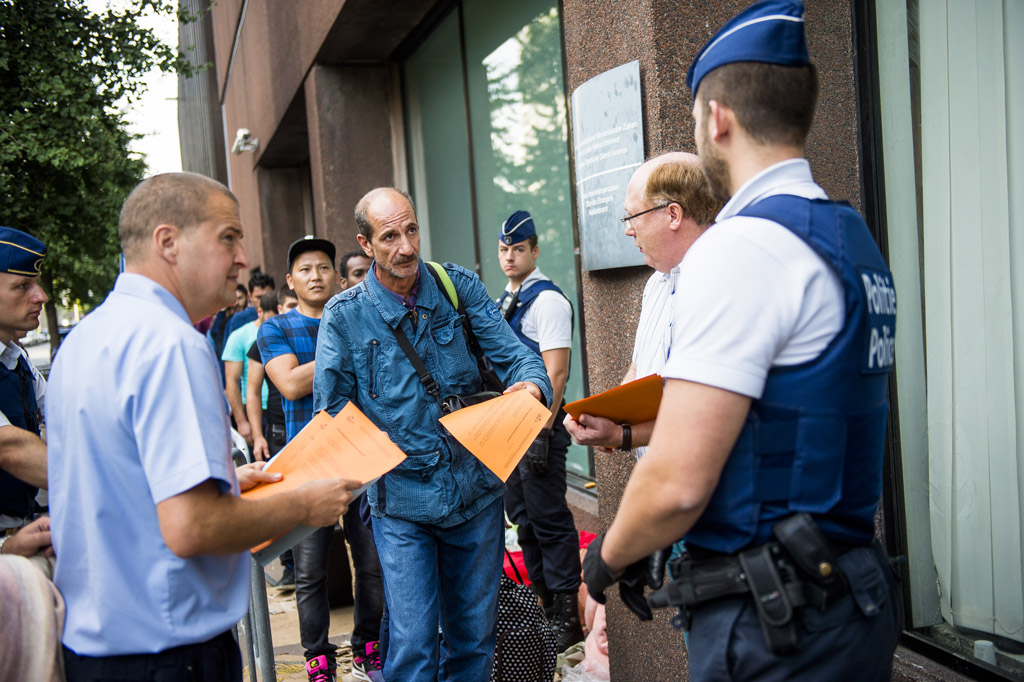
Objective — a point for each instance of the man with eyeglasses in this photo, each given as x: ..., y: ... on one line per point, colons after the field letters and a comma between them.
x: 668, y: 205
x: 766, y: 456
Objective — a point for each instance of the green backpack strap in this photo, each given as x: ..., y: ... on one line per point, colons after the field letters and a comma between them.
x: 445, y: 283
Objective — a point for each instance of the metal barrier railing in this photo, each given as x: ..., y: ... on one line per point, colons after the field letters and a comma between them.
x: 259, y: 644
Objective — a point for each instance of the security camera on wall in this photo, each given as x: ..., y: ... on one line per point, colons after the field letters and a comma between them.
x: 244, y: 142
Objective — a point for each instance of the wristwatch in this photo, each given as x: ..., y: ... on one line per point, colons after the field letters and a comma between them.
x: 627, y: 437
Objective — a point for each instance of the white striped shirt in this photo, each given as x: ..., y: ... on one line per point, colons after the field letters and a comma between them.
x: 654, y: 332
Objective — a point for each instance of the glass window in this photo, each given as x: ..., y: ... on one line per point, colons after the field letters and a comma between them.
x: 435, y: 113
x: 952, y: 106
x: 517, y: 157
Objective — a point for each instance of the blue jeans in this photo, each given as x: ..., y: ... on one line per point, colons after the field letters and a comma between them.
x: 441, y: 575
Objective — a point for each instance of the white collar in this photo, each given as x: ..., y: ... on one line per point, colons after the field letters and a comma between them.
x: 10, y: 354
x: 792, y: 176
x: 535, y: 276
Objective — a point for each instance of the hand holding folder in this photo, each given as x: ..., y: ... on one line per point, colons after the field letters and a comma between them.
x: 633, y: 403
x: 346, y: 446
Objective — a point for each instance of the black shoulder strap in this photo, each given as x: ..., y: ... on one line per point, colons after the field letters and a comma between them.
x: 429, y: 385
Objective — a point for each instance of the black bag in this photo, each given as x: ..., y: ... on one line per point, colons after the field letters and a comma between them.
x: 525, y: 651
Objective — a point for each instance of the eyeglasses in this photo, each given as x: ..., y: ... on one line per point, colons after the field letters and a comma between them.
x: 625, y: 221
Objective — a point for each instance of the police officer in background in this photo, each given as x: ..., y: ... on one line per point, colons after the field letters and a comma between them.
x: 767, y: 451
x: 541, y: 316
x: 22, y: 452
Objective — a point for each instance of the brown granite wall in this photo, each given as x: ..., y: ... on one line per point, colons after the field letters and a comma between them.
x: 349, y: 144
x: 282, y: 195
x: 665, y: 35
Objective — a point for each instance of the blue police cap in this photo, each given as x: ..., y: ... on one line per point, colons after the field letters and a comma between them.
x: 20, y: 253
x: 771, y: 32
x: 516, y: 228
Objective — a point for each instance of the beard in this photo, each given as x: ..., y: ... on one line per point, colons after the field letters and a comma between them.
x: 715, y: 168
x: 391, y: 268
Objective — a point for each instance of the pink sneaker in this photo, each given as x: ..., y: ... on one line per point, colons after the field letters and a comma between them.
x: 319, y: 671
x: 366, y: 666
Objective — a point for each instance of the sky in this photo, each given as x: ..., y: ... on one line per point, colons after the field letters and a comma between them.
x: 155, y: 114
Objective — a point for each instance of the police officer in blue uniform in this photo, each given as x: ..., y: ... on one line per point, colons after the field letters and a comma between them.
x: 541, y: 316
x: 767, y: 452
x: 23, y: 454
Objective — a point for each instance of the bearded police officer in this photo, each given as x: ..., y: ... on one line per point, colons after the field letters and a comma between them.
x: 767, y: 451
x: 22, y: 452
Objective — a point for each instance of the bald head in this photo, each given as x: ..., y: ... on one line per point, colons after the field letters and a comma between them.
x: 669, y: 205
x: 179, y: 199
x: 676, y: 177
x: 376, y: 197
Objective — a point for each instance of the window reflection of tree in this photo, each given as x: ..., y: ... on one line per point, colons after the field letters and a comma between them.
x: 528, y: 131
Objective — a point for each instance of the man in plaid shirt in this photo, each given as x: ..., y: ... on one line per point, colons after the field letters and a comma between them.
x: 287, y: 346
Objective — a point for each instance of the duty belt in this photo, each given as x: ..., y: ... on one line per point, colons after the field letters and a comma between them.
x: 795, y: 570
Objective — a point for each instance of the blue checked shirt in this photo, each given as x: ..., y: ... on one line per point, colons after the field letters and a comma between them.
x: 291, y: 334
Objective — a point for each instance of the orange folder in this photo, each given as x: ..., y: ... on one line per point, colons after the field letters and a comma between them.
x: 346, y: 446
x: 499, y: 431
x: 633, y: 403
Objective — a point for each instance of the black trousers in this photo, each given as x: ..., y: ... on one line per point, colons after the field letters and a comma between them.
x: 547, y: 532
x: 311, y: 556
x: 215, y: 659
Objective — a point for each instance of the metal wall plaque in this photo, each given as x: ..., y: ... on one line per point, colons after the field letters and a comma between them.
x: 608, y: 144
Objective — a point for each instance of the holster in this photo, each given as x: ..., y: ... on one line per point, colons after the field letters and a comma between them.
x: 781, y: 576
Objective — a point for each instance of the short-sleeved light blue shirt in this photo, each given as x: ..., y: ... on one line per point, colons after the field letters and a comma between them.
x: 136, y: 415
x: 236, y: 349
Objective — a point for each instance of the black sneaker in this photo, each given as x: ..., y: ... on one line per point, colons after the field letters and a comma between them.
x: 287, y: 577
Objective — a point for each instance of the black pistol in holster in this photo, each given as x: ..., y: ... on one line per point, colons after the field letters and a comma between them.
x: 795, y: 570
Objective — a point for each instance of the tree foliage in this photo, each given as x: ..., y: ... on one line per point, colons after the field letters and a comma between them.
x: 65, y: 166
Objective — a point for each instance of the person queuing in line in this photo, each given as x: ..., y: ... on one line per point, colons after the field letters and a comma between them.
x: 288, y: 346
x: 259, y: 283
x: 151, y: 537
x: 269, y: 433
x: 267, y: 422
x: 766, y: 455
x: 668, y: 206
x: 218, y: 328
x: 352, y: 268
x: 236, y: 363
x: 542, y: 317
x: 437, y: 517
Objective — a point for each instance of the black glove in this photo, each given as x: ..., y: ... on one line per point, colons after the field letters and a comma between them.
x: 598, y: 578
x: 537, y: 453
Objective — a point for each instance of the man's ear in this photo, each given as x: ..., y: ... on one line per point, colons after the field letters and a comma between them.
x: 536, y: 252
x: 719, y: 120
x: 676, y: 216
x: 166, y: 238
x: 288, y: 279
x: 365, y: 245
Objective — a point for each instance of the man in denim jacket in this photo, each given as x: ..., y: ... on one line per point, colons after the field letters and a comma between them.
x: 437, y: 517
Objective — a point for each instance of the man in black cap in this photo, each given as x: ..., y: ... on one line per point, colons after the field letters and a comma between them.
x: 287, y: 346
x: 22, y: 452
x: 541, y: 316
x: 766, y: 455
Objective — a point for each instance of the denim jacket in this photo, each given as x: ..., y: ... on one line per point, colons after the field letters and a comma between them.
x: 358, y: 359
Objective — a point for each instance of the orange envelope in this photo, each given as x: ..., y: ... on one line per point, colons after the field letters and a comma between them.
x: 500, y: 430
x: 633, y: 403
x: 346, y: 446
